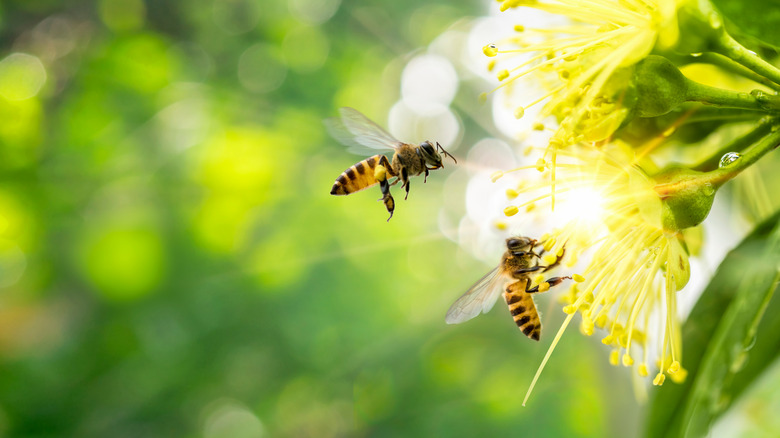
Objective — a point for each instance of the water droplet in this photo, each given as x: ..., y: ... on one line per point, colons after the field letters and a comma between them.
x: 490, y: 50
x: 708, y: 189
x: 696, y: 55
x: 728, y: 158
x: 757, y: 93
x: 750, y: 343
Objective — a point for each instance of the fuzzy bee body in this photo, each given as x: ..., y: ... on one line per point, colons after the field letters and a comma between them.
x: 360, y: 175
x: 408, y: 160
x: 523, y: 309
x: 513, y: 277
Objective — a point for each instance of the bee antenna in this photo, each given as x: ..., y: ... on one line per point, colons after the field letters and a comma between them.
x: 445, y: 152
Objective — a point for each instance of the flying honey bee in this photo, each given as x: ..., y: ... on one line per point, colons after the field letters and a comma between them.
x: 355, y: 129
x: 513, y: 275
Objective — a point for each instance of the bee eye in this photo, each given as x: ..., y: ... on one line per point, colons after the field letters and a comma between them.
x: 517, y: 243
x: 428, y: 148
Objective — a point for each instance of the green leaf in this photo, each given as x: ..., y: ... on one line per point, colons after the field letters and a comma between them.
x: 755, y: 18
x: 726, y: 343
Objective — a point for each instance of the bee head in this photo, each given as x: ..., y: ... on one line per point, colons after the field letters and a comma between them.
x: 429, y: 154
x: 520, y: 244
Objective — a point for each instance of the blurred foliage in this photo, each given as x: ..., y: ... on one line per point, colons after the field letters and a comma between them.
x: 172, y: 263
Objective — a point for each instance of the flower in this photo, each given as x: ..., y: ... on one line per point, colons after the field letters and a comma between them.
x: 629, y: 287
x: 583, y: 64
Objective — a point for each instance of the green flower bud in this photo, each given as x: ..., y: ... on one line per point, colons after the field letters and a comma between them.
x: 660, y: 86
x: 686, y: 197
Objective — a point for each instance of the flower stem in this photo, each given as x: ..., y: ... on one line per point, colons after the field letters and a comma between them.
x: 718, y: 177
x: 737, y: 145
x: 725, y: 45
x: 730, y: 66
x: 707, y: 95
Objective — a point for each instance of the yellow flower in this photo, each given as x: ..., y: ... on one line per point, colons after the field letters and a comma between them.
x: 636, y: 266
x: 580, y: 59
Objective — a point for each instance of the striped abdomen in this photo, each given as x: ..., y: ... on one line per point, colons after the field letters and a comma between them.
x: 360, y: 176
x: 523, y: 310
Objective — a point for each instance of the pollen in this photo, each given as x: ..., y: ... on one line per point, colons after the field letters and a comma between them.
x: 501, y: 225
x: 503, y: 74
x: 540, y: 164
x: 627, y: 360
x: 538, y: 279
x: 679, y: 376
x: 570, y: 309
x: 544, y: 287
x: 674, y: 367
x: 519, y: 112
x: 519, y: 28
x: 511, y: 210
x: 607, y: 340
x: 587, y: 326
x: 380, y: 172
x: 659, y: 379
x: 550, y: 259
x: 496, y: 175
x: 490, y: 50
x: 614, y: 358
x: 642, y: 370
x: 579, y: 279
x: 511, y: 193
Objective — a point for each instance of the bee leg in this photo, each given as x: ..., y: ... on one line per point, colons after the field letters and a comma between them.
x: 527, y: 270
x: 425, y: 180
x: 387, y: 198
x: 557, y: 261
x: 553, y: 281
x: 405, y: 178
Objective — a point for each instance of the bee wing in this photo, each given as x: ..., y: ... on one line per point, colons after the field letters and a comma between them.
x: 480, y: 298
x: 356, y: 130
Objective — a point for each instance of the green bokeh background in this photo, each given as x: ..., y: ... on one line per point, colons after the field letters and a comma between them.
x: 172, y: 264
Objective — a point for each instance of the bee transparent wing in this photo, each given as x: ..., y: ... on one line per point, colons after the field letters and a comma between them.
x: 480, y: 298
x: 357, y: 131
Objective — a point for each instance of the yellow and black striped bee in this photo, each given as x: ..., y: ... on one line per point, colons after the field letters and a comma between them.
x: 355, y: 129
x: 513, y: 276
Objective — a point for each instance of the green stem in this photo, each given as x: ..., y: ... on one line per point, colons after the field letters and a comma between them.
x: 725, y: 45
x: 712, y: 114
x: 718, y: 177
x: 705, y: 94
x: 730, y: 66
x: 737, y: 145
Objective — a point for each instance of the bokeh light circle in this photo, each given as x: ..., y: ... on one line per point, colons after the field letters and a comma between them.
x: 427, y: 82
x: 21, y: 76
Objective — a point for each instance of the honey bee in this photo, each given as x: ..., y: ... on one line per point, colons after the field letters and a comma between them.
x: 355, y: 129
x: 513, y: 275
